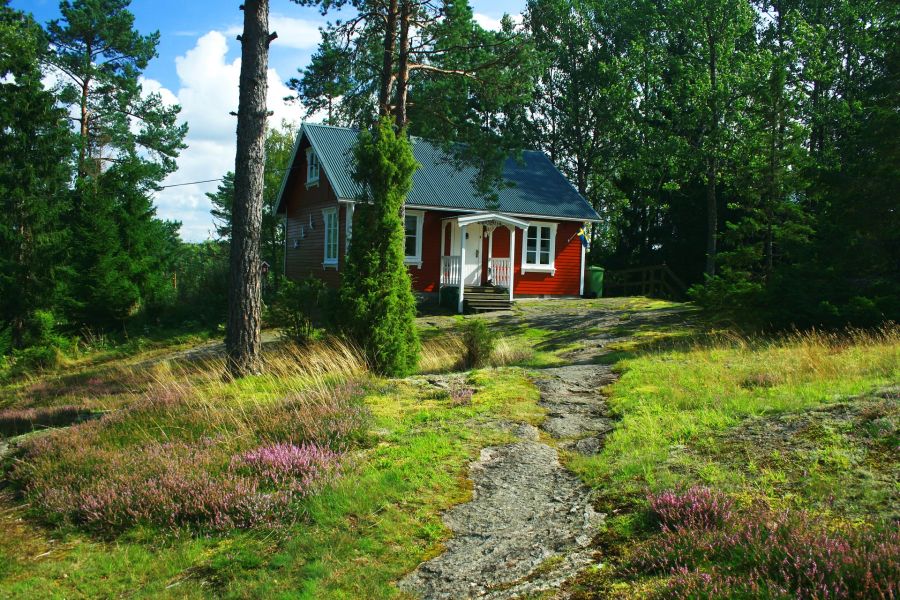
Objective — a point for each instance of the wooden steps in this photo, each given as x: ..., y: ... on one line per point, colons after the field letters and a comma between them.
x: 484, y: 298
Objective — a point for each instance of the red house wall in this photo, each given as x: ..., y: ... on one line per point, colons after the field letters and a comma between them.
x: 301, y: 203
x: 427, y: 278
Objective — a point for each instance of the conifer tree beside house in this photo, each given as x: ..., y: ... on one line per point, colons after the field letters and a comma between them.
x: 376, y: 295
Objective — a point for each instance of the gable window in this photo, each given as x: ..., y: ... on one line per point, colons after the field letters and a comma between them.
x: 539, y: 249
x: 330, y: 216
x: 312, y: 167
x: 412, y: 237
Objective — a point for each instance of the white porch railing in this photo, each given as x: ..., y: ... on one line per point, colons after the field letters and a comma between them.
x: 499, y: 271
x: 451, y: 270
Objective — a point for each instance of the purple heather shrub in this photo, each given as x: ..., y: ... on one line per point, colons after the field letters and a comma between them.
x: 765, y: 553
x: 165, y: 462
x: 461, y: 396
x: 297, y: 468
x: 696, y: 508
x: 336, y: 419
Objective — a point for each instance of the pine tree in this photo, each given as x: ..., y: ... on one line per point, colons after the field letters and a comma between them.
x: 242, y: 333
x: 279, y: 145
x: 376, y: 296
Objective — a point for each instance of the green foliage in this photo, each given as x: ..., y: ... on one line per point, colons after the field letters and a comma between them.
x: 479, y: 342
x: 34, y: 160
x: 296, y: 308
x: 789, y: 108
x: 127, y: 142
x: 377, y: 305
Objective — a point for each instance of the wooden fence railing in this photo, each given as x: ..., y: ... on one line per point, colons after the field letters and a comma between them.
x: 657, y: 281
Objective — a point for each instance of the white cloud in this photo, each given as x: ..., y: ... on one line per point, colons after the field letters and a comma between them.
x: 492, y: 24
x: 208, y: 94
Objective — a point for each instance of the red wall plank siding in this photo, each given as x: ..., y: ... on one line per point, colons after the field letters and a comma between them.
x: 566, y: 281
x: 306, y: 259
x: 428, y: 277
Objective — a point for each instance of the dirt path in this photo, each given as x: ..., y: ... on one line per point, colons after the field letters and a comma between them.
x: 530, y: 523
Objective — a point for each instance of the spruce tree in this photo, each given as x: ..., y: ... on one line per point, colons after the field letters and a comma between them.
x: 34, y: 172
x: 126, y: 143
x: 376, y: 297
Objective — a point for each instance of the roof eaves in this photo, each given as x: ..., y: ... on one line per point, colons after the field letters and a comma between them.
x: 334, y: 181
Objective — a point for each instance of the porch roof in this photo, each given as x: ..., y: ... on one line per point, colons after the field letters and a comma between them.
x: 482, y: 217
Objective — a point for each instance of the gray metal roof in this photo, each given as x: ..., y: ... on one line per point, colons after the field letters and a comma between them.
x: 537, y: 187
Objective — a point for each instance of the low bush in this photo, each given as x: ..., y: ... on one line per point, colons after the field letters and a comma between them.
x: 296, y: 309
x: 709, y: 550
x: 479, y: 342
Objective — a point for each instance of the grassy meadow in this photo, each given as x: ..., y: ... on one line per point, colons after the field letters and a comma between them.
x: 319, y: 480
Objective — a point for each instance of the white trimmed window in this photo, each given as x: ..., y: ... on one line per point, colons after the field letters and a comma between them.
x: 330, y: 216
x: 539, y: 249
x: 312, y: 167
x: 412, y: 237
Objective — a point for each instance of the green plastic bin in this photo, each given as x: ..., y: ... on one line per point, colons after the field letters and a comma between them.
x: 595, y: 281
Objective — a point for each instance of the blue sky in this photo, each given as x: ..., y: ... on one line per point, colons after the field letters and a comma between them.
x: 198, y: 66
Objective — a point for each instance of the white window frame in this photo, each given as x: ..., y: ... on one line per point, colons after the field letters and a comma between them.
x: 326, y: 261
x: 313, y: 167
x: 416, y: 259
x: 539, y: 268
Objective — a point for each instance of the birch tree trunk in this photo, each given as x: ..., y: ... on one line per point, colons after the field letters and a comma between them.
x: 242, y: 338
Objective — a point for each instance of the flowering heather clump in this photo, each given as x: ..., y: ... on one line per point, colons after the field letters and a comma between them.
x: 174, y: 460
x: 765, y: 553
x: 170, y: 484
x: 16, y: 421
x: 461, y: 396
x: 335, y: 419
x: 697, y: 508
x: 297, y: 468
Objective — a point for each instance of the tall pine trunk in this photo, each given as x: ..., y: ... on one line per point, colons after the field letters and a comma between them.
x: 403, y: 65
x: 387, y: 68
x: 242, y: 339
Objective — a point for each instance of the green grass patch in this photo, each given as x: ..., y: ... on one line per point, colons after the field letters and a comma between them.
x: 353, y: 538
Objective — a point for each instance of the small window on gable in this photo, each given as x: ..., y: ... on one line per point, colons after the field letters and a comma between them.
x: 330, y: 216
x: 312, y: 167
x: 539, y: 250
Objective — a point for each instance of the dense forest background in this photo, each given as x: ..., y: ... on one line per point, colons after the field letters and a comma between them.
x: 750, y: 146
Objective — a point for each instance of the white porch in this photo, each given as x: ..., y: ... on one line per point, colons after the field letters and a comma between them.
x: 462, y: 261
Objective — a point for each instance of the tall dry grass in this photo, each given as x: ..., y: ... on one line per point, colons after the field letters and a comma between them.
x: 447, y: 352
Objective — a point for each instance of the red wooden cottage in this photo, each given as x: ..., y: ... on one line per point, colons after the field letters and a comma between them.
x: 455, y: 248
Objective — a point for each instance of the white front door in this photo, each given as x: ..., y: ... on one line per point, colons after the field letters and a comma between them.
x: 472, y: 267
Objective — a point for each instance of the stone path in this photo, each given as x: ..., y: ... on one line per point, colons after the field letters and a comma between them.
x: 529, y: 526
x: 530, y: 523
